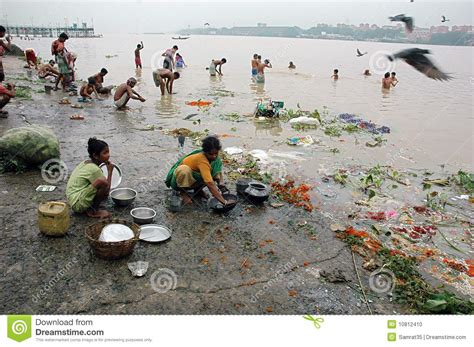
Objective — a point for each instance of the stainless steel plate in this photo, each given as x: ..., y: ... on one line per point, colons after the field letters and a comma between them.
x: 116, y: 175
x: 154, y: 233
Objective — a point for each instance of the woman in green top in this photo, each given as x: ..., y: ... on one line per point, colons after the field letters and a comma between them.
x: 87, y: 186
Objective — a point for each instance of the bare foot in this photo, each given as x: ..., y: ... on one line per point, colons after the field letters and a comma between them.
x: 98, y: 213
x: 203, y: 194
x: 186, y: 199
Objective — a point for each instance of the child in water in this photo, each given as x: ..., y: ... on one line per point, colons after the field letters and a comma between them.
x: 87, y: 186
x: 335, y: 76
x: 179, y: 61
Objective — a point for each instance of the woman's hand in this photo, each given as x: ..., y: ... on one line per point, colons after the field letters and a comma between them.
x: 110, y: 167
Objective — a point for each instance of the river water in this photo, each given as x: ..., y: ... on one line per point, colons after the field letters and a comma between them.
x: 431, y: 122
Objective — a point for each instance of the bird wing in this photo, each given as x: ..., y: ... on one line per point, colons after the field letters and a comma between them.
x: 444, y: 18
x: 397, y: 18
x: 409, y: 24
x: 410, y: 51
x: 358, y: 52
x: 426, y: 67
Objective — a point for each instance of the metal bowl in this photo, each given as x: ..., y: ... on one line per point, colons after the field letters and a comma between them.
x: 143, y: 215
x: 242, y: 184
x: 216, y: 206
x: 257, y: 193
x: 123, y: 196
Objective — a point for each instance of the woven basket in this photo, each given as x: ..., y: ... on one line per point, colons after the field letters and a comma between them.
x: 111, y: 250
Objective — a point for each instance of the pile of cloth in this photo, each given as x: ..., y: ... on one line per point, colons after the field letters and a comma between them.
x: 363, y: 124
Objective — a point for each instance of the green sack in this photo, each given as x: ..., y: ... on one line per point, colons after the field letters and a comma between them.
x: 32, y: 145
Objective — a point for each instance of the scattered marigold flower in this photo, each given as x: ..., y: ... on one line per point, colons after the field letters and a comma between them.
x: 292, y: 293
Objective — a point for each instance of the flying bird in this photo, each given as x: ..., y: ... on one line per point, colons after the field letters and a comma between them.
x: 206, y: 24
x: 360, y: 54
x: 402, y: 18
x: 416, y: 58
x: 444, y: 19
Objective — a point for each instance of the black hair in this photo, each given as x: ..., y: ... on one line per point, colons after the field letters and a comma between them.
x: 139, y: 45
x: 387, y: 74
x: 336, y: 71
x: 63, y: 36
x: 259, y: 57
x: 211, y: 143
x: 104, y: 71
x: 2, y: 29
x: 95, y: 146
x: 52, y: 62
x: 394, y: 73
x: 178, y: 55
x: 176, y: 74
x: 175, y: 47
x: 255, y: 55
x: 91, y: 80
x: 224, y: 60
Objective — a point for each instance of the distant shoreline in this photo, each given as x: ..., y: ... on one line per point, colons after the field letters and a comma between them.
x: 441, y: 35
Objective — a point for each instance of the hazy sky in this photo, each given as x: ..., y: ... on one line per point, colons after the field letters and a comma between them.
x: 138, y: 16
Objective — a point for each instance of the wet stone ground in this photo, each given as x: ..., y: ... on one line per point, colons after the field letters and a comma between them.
x: 255, y: 260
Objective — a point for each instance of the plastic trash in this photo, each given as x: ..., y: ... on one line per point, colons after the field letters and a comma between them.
x: 300, y: 141
x: 138, y: 268
x: 304, y: 120
x: 233, y: 150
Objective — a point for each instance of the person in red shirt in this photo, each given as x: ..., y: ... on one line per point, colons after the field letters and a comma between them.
x: 5, y: 95
x: 58, y: 46
x: 31, y: 59
x: 4, y: 47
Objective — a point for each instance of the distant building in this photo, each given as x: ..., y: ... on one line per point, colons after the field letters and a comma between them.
x: 441, y: 29
x: 462, y: 28
x: 420, y: 35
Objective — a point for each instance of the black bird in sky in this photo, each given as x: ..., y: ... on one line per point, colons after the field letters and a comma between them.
x: 416, y: 58
x: 360, y: 54
x: 206, y: 24
x: 402, y: 18
x: 443, y: 19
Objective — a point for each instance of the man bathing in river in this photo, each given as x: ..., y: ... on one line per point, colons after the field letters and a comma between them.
x: 260, y: 78
x: 46, y: 70
x: 165, y: 77
x: 254, y: 64
x: 213, y: 67
x: 138, y: 59
x: 99, y: 80
x: 125, y: 92
x: 387, y: 81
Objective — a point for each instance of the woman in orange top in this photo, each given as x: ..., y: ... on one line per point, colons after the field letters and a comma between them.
x: 198, y: 169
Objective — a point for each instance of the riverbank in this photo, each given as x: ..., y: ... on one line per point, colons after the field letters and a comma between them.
x: 256, y: 260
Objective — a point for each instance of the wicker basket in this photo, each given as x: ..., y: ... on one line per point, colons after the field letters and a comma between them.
x: 111, y: 250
